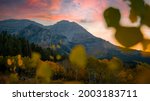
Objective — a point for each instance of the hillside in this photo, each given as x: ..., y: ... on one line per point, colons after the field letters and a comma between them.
x: 70, y: 34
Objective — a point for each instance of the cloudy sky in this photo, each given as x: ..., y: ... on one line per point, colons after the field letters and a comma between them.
x: 88, y: 13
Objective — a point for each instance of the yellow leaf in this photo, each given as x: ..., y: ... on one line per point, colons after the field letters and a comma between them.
x: 78, y: 56
x: 20, y: 62
x: 19, y: 57
x: 44, y: 72
x: 35, y: 59
x: 58, y: 57
x: 9, y: 62
x: 51, y: 57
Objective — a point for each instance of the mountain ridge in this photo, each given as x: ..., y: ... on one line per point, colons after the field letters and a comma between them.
x: 19, y: 25
x: 71, y: 34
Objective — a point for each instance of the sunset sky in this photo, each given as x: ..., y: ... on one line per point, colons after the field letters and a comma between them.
x: 88, y: 13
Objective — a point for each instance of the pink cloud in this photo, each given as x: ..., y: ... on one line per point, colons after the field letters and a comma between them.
x: 48, y: 4
x: 86, y: 11
x: 55, y: 5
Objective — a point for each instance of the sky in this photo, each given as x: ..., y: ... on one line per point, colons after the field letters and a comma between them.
x: 87, y: 13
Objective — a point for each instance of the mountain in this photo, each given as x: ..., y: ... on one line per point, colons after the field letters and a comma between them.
x: 41, y: 36
x: 70, y: 34
x: 13, y: 26
x: 73, y: 31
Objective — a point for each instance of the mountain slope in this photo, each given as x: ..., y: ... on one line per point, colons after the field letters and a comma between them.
x: 73, y: 31
x: 13, y: 26
x: 40, y: 36
x: 70, y: 34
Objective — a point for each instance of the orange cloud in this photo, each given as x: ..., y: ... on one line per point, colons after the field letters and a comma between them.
x: 49, y: 4
x: 55, y: 5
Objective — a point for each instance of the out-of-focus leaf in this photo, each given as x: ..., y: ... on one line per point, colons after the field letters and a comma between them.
x: 9, y: 62
x: 58, y: 57
x: 78, y: 56
x: 44, y: 72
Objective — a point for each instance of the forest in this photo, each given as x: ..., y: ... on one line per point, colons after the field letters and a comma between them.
x: 22, y: 62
